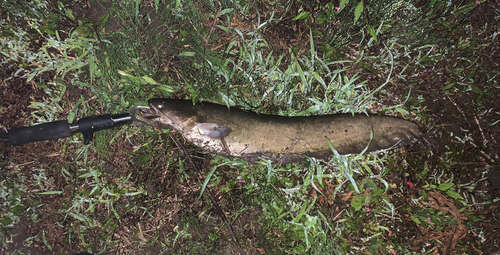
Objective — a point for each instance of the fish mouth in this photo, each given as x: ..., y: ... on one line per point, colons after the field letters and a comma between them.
x: 145, y: 116
x: 151, y: 114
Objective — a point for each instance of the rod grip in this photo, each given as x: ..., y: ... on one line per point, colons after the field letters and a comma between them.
x: 91, y: 124
x: 46, y: 131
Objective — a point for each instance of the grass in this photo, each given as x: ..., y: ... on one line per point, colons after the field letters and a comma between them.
x: 133, y: 191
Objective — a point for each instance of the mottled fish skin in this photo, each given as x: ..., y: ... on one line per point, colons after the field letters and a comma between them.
x: 233, y: 132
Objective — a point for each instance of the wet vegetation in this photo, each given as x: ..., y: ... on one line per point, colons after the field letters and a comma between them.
x: 134, y: 191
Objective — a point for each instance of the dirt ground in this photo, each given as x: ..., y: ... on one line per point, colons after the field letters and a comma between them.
x: 451, y: 113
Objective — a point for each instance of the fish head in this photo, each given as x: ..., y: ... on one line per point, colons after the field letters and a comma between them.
x: 185, y: 117
x: 171, y: 114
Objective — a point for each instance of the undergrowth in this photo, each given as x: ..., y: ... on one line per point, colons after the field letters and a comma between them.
x: 132, y: 190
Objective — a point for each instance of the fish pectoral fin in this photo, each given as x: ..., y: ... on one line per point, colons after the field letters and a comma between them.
x: 213, y: 130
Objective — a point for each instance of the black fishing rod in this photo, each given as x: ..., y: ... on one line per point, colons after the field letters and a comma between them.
x: 62, y: 128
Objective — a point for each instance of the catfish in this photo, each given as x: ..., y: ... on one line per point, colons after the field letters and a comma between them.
x: 233, y: 132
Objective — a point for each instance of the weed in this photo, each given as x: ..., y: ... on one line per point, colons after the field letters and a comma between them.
x: 132, y: 191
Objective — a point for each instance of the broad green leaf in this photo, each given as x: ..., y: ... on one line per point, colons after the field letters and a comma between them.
x: 343, y: 4
x: 453, y: 194
x: 187, y: 54
x: 416, y: 220
x: 301, y: 15
x: 302, y: 210
x: 78, y: 217
x: 123, y: 73
x: 476, y: 89
x: 319, y: 79
x: 225, y: 11
x: 445, y: 186
x: 356, y: 205
x: 166, y: 89
x: 299, y: 249
x: 313, y: 108
x: 301, y: 75
x: 86, y: 175
x: 451, y: 84
x: 5, y: 220
x: 17, y: 209
x: 372, y: 32
x: 224, y: 28
x: 70, y: 15
x: 401, y: 110
x: 358, y: 11
x: 149, y: 80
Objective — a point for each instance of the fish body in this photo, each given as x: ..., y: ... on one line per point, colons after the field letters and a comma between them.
x: 236, y: 133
